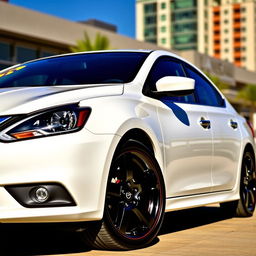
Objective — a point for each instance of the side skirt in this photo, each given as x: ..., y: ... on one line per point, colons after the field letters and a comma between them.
x: 184, y: 202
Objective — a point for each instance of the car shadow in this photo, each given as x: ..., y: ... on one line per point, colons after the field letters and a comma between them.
x: 191, y: 218
x: 49, y: 239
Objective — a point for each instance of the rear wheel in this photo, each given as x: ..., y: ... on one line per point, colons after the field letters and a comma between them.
x: 135, y: 201
x: 245, y: 206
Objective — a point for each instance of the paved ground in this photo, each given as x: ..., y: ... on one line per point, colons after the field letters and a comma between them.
x: 197, y: 232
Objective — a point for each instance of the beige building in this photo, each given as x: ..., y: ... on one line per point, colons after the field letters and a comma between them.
x: 27, y: 34
x: 224, y: 29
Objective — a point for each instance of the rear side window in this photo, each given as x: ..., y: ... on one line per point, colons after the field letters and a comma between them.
x: 166, y: 66
x: 205, y: 92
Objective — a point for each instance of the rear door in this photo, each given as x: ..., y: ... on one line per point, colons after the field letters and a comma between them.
x: 187, y: 140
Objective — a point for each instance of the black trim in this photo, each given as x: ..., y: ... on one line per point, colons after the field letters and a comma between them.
x: 199, y: 194
x: 24, y: 194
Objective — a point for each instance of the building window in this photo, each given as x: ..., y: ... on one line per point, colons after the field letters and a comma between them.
x: 237, y: 49
x: 226, y: 12
x: 216, y: 41
x: 243, y: 58
x: 5, y: 51
x: 226, y: 31
x: 150, y: 20
x: 185, y: 39
x: 163, y: 40
x: 217, y: 32
x: 226, y: 21
x: 163, y: 29
x: 184, y: 27
x: 184, y: 15
x: 149, y: 8
x: 243, y: 29
x: 205, y: 13
x: 163, y: 17
x: 237, y: 11
x: 226, y: 50
x: 181, y: 4
x: 150, y: 32
x: 216, y: 23
x: 226, y: 40
x: 237, y: 40
x: 243, y: 9
x: 206, y: 38
x: 24, y: 54
x: 237, y: 30
x: 163, y: 5
x: 46, y: 54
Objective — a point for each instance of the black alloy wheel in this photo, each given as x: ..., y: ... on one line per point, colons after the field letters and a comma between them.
x: 245, y: 206
x: 135, y: 200
x: 248, y: 185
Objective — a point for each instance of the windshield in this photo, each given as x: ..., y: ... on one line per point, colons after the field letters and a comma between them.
x: 90, y: 68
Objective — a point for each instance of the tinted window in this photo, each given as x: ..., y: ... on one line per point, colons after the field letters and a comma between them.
x: 5, y: 51
x: 92, y: 68
x: 25, y: 54
x: 166, y: 67
x: 205, y: 92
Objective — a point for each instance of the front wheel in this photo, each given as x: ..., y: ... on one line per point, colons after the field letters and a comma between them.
x: 245, y: 206
x: 135, y: 201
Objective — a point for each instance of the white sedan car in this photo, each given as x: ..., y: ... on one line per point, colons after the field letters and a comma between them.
x: 113, y: 139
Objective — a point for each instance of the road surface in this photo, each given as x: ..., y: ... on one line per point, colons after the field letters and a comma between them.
x: 202, y: 231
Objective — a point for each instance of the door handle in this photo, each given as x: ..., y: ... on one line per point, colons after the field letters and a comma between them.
x: 206, y: 124
x: 233, y: 124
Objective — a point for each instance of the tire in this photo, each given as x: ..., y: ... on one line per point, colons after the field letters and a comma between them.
x: 135, y: 201
x: 245, y: 206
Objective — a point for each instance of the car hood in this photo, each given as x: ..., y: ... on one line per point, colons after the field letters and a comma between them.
x: 21, y: 100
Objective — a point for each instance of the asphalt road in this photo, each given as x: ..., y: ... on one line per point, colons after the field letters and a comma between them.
x: 202, y: 231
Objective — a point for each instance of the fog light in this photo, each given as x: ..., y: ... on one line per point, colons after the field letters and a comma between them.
x: 41, y: 194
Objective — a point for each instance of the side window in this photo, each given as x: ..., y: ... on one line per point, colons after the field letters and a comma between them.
x: 205, y: 92
x: 165, y: 66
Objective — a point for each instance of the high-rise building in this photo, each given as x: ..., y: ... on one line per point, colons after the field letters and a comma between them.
x: 224, y: 29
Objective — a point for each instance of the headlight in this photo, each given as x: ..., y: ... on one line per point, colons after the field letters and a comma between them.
x: 51, y: 122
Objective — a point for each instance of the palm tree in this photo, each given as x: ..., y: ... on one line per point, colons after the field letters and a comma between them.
x: 248, y: 93
x: 100, y: 43
x: 216, y: 80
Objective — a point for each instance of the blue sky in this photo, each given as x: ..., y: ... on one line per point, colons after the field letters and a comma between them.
x: 118, y: 12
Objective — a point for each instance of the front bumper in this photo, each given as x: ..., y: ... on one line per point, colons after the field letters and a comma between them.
x: 79, y: 161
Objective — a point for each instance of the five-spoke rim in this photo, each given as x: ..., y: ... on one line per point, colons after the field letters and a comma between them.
x: 134, y: 195
x: 248, y: 184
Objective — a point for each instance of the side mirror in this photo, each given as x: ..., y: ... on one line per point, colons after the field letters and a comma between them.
x: 175, y: 86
